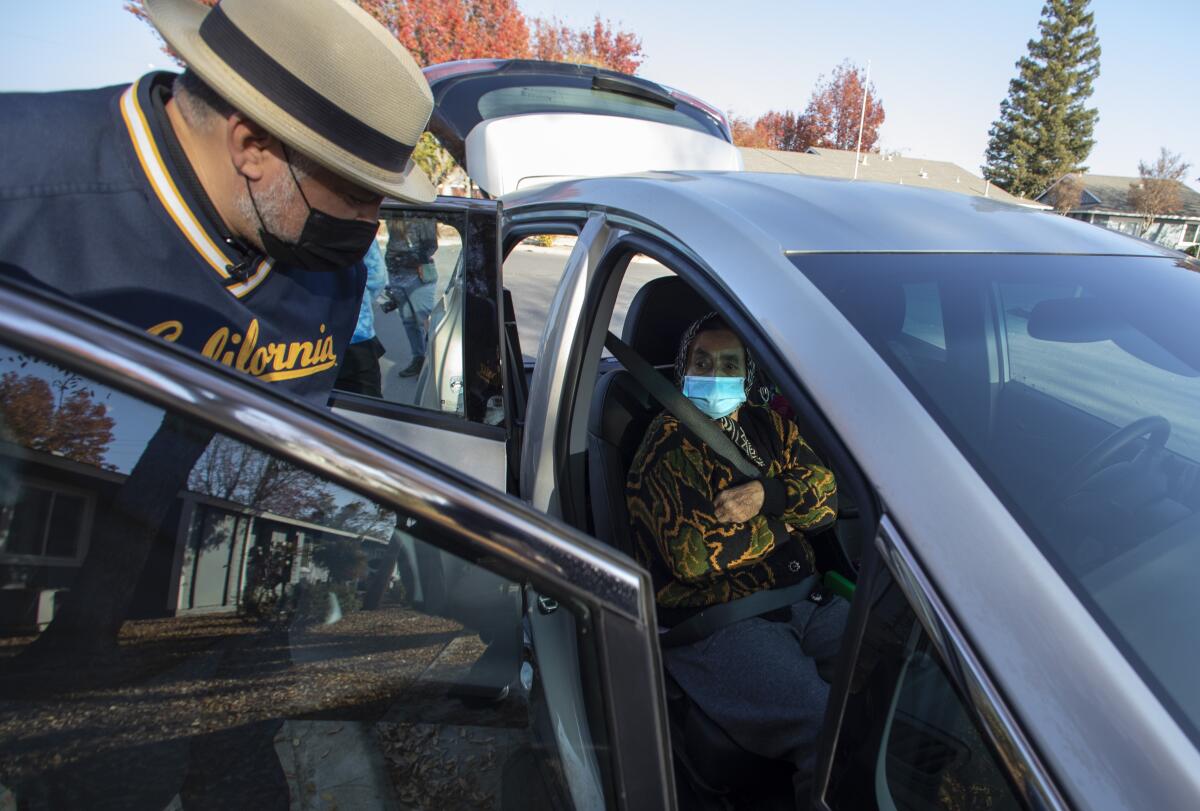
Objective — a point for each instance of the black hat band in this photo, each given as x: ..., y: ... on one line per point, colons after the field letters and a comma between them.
x: 292, y: 95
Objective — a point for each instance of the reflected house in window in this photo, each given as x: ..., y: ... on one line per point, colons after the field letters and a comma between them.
x: 1108, y: 201
x: 202, y: 559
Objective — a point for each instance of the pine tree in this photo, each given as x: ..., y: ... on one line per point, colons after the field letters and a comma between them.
x: 1045, y: 126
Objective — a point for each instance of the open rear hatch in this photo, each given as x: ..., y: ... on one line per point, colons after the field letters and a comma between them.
x: 515, y: 124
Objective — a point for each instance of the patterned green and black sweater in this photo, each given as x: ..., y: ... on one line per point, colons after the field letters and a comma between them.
x: 696, y: 560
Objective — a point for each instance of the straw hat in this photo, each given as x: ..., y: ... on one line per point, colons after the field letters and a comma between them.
x: 321, y: 75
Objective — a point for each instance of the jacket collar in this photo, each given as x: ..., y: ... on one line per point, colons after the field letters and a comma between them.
x: 167, y: 181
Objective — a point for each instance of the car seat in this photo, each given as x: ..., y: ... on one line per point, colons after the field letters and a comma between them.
x: 621, y: 412
x: 622, y: 409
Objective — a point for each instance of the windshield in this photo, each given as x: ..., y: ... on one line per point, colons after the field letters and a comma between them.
x: 1071, y: 383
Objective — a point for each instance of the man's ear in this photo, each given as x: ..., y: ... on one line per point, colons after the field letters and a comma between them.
x: 251, y: 148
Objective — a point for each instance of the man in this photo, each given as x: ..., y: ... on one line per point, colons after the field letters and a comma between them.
x: 359, y: 372
x: 227, y: 209
x: 708, y: 538
x: 412, y: 279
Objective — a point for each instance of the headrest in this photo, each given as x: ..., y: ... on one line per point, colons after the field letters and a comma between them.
x: 658, y: 315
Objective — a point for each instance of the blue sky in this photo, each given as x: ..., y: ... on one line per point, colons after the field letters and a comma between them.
x: 941, y: 67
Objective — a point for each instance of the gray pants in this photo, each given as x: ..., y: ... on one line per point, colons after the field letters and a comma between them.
x: 758, y: 680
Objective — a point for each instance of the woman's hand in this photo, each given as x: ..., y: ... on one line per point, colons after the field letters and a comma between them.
x: 736, y: 505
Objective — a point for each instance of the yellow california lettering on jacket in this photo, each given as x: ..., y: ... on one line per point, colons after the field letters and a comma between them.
x: 268, y: 362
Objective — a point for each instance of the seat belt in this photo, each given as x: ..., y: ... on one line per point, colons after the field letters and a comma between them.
x: 703, y: 624
x: 714, y: 618
x: 680, y: 407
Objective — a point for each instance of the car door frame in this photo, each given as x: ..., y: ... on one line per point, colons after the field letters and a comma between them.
x: 892, y: 560
x: 465, y: 442
x: 474, y: 521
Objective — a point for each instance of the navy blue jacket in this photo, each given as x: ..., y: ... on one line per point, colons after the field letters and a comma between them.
x: 94, y: 206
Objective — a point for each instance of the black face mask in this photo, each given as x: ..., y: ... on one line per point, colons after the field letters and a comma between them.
x: 326, y: 244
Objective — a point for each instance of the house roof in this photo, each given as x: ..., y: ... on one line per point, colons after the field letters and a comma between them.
x: 926, y: 174
x: 1111, y: 193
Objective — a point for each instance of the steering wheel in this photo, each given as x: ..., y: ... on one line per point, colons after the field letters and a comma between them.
x: 1111, y: 446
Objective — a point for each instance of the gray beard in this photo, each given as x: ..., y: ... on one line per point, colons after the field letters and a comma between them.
x: 274, y: 201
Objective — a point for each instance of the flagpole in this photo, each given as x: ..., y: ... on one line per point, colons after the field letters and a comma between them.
x: 862, y: 117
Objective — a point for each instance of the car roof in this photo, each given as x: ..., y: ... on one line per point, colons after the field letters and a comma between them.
x: 810, y: 214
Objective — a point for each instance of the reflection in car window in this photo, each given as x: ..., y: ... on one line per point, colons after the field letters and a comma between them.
x: 933, y: 756
x: 187, y: 621
x: 1098, y: 377
x: 908, y: 742
x: 1048, y: 359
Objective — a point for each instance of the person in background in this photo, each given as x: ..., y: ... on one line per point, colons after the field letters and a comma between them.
x: 412, y: 280
x: 359, y: 372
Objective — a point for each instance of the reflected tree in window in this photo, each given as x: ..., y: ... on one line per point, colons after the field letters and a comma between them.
x: 236, y: 472
x: 59, y: 416
x: 233, y: 471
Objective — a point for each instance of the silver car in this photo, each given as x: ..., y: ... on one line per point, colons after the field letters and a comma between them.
x: 426, y: 599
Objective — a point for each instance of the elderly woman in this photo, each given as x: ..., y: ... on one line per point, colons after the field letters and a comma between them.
x: 709, y: 536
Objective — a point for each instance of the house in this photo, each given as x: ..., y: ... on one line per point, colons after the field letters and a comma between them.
x: 198, y: 563
x: 1105, y: 201
x: 879, y: 167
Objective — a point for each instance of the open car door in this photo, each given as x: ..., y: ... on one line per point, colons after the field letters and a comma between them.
x: 446, y: 384
x: 214, y: 595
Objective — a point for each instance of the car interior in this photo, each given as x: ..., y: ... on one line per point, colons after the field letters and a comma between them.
x: 618, y: 412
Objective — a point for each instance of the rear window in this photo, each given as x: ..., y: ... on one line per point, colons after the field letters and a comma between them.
x: 523, y: 100
x: 473, y: 98
x: 1043, y: 370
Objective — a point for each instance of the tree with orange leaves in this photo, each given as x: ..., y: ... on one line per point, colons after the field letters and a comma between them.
x: 446, y: 30
x: 601, y: 46
x: 70, y: 424
x: 786, y: 131
x: 436, y: 31
x: 834, y: 111
x: 831, y: 119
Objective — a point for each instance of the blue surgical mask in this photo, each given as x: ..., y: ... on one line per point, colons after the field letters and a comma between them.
x: 715, y: 396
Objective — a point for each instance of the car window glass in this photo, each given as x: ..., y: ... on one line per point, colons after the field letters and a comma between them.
x: 908, y: 741
x: 1098, y: 377
x: 187, y: 621
x: 933, y: 756
x: 529, y: 98
x: 409, y: 348
x: 641, y: 269
x: 1070, y: 384
x: 923, y: 314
